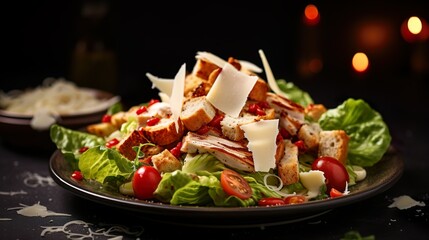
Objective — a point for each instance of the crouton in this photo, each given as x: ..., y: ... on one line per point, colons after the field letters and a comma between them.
x: 314, y: 111
x: 125, y: 146
x: 102, y: 129
x: 288, y: 166
x: 231, y: 126
x: 164, y: 132
x: 196, y: 113
x: 309, y: 133
x: 334, y: 143
x: 165, y: 161
x: 259, y: 91
x: 118, y: 119
x: 202, y: 69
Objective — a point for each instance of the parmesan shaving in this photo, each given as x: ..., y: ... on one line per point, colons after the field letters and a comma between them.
x: 70, y: 230
x: 211, y: 58
x: 230, y: 90
x: 405, y: 202
x: 163, y: 84
x: 270, y: 77
x: 176, y: 98
x: 250, y: 66
x: 35, y: 180
x: 13, y: 193
x: 36, y: 210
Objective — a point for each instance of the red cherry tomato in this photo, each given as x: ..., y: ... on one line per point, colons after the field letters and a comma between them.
x: 271, y: 201
x: 145, y: 181
x: 295, y: 199
x: 335, y: 173
x: 335, y: 193
x: 234, y: 184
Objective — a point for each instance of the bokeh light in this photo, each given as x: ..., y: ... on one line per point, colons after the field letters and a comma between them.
x: 360, y: 62
x: 311, y: 15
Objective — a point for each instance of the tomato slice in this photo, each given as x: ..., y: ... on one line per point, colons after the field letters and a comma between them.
x: 335, y: 193
x: 295, y: 199
x: 271, y: 201
x: 234, y: 184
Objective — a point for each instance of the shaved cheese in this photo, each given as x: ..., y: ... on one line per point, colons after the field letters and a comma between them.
x: 211, y: 58
x: 405, y: 202
x: 270, y: 77
x: 176, y: 99
x: 262, y: 143
x: 230, y: 90
x: 163, y: 84
x: 250, y: 66
x: 37, y: 210
x: 312, y: 181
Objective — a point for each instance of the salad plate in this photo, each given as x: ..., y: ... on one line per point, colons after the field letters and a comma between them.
x: 380, y: 177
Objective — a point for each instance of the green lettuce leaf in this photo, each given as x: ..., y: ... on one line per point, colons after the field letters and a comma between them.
x: 294, y: 93
x: 106, y: 166
x: 369, y: 135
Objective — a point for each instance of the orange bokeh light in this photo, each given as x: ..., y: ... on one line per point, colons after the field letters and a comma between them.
x: 311, y: 15
x: 415, y: 29
x: 360, y: 62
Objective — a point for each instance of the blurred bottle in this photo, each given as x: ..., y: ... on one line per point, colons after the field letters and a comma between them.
x: 94, y: 61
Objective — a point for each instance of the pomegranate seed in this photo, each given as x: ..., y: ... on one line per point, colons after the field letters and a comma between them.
x: 106, y: 118
x: 77, y: 175
x: 152, y: 101
x: 141, y: 110
x: 152, y: 121
x: 112, y: 143
x: 83, y: 149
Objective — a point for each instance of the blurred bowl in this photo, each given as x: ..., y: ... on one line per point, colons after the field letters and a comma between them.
x: 16, y: 130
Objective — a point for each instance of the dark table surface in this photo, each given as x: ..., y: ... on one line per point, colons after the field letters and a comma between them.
x: 26, y: 180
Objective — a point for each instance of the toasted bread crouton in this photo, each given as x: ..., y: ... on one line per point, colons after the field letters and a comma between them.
x: 334, y: 143
x: 118, y: 119
x: 314, y: 111
x: 144, y: 113
x: 231, y: 126
x: 192, y: 82
x: 259, y: 91
x: 309, y: 133
x: 165, y: 161
x: 202, y: 69
x: 164, y: 132
x: 196, y: 113
x: 102, y: 129
x: 288, y: 167
x: 125, y: 146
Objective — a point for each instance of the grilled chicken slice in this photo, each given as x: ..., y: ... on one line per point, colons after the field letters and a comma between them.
x: 231, y: 153
x: 290, y: 114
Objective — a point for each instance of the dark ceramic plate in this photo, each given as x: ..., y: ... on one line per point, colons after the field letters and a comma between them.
x: 380, y: 177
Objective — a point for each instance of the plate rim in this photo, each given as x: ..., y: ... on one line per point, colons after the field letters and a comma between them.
x: 285, y: 214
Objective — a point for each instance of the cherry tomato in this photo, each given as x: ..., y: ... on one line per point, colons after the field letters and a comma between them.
x: 335, y: 193
x: 295, y: 199
x: 145, y: 181
x: 271, y: 201
x: 335, y: 173
x: 234, y: 184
